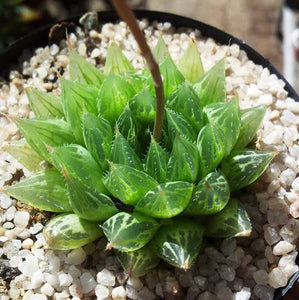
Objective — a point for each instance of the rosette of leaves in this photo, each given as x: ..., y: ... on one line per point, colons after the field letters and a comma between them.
x: 106, y: 174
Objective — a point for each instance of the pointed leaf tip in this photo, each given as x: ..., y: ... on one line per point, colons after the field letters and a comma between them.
x: 190, y: 64
x: 116, y: 61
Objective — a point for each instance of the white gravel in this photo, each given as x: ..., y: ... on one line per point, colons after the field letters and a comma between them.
x: 241, y: 269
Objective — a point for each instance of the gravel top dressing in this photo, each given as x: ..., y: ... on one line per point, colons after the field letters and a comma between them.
x: 240, y: 269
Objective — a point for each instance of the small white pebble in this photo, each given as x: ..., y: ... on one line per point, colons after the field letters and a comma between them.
x: 76, y: 257
x: 54, y: 49
x: 88, y: 283
x: 36, y: 228
x: 282, y: 248
x: 42, y: 72
x: 27, y: 244
x: 106, y: 278
x: 102, y: 292
x: 277, y: 278
x: 47, y: 289
x: 21, y: 219
x: 244, y: 294
x: 65, y: 279
x: 295, y: 184
x: 260, y: 277
x: 82, y: 49
x: 95, y: 53
x: 119, y: 293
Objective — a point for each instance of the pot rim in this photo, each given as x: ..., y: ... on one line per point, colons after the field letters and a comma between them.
x: 39, y: 37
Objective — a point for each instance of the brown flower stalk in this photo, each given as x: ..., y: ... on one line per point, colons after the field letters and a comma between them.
x: 128, y: 16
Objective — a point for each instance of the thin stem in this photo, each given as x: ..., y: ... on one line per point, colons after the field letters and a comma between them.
x: 127, y: 15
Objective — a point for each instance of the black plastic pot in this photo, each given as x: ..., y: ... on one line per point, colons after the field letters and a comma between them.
x: 40, y: 38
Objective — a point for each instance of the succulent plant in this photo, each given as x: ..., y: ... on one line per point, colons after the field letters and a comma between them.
x: 105, y: 173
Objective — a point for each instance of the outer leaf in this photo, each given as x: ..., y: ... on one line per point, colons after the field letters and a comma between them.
x: 211, y: 195
x: 161, y: 50
x: 190, y: 64
x: 186, y: 102
x: 211, y: 87
x: 78, y: 163
x: 113, y: 97
x: 129, y: 232
x: 211, y: 146
x: 84, y: 72
x: 172, y: 77
x: 21, y: 151
x: 45, y: 190
x: 122, y: 153
x: 87, y: 203
x: 116, y: 62
x: 227, y: 116
x: 143, y: 106
x: 68, y: 231
x: 178, y: 243
x: 41, y: 132
x: 243, y: 167
x: 43, y: 104
x: 177, y: 124
x: 251, y: 120
x: 77, y: 98
x: 232, y: 221
x: 128, y: 184
x: 139, y: 262
x: 183, y: 162
x: 166, y: 200
x: 156, y: 161
x: 97, y: 135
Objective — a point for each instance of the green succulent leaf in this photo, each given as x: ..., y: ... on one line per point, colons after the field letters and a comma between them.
x: 183, y: 162
x: 251, y: 120
x: 190, y: 64
x: 161, y: 51
x: 84, y: 72
x: 122, y: 153
x: 136, y: 80
x: 232, y: 221
x: 25, y: 155
x: 87, y: 203
x: 143, y: 106
x: 68, y: 231
x: 186, y: 102
x: 77, y: 98
x: 227, y: 116
x: 211, y: 146
x: 78, y: 163
x: 127, y: 127
x: 113, y: 97
x: 166, y: 200
x: 211, y: 87
x: 245, y: 166
x: 129, y: 231
x: 210, y: 196
x: 128, y: 184
x: 178, y: 125
x: 179, y: 242
x: 45, y: 190
x: 97, y: 134
x: 116, y: 61
x: 41, y: 132
x: 139, y: 262
x: 43, y: 104
x: 156, y: 161
x: 172, y: 77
